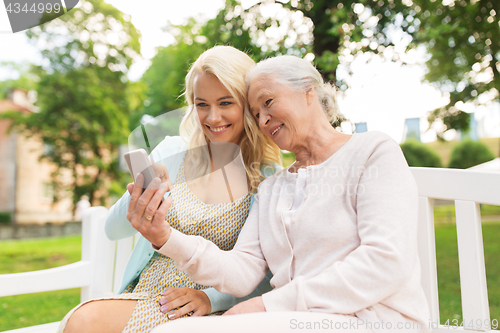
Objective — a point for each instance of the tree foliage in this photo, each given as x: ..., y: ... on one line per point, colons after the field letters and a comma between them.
x: 88, y: 106
x: 26, y: 80
x: 252, y: 30
x: 165, y: 77
x: 462, y: 38
x: 84, y: 95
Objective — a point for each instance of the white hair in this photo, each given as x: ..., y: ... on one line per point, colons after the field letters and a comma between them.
x: 299, y: 75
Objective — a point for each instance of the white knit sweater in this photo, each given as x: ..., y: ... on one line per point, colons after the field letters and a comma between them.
x: 352, y: 246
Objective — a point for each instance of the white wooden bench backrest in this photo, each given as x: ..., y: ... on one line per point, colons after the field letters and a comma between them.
x: 98, y: 273
x: 87, y: 274
x: 467, y: 188
x: 103, y: 262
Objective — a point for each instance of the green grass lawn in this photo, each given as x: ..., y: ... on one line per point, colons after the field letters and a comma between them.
x: 34, y: 254
x: 33, y: 309
x: 448, y: 270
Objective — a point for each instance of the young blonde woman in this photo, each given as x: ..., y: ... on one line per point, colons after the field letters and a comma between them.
x: 337, y: 228
x: 153, y: 290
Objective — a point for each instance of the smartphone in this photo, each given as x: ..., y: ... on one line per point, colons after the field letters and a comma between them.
x: 139, y: 162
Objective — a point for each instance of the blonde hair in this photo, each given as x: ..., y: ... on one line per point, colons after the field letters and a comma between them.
x: 229, y: 65
x: 300, y: 75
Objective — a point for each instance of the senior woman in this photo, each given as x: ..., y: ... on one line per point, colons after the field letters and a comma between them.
x: 337, y: 228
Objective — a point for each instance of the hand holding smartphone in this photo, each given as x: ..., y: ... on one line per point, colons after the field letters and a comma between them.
x: 138, y: 162
x: 148, y: 221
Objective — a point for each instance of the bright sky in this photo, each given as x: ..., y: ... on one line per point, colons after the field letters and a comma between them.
x: 383, y: 94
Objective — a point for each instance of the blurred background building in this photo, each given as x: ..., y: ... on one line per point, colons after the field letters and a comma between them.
x: 26, y: 189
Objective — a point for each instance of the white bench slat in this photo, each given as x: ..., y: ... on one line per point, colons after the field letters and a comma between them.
x: 43, y: 328
x: 80, y: 274
x: 102, y: 252
x: 108, y: 268
x: 93, y: 250
x: 94, y: 273
x: 472, y: 267
x: 64, y: 277
x: 124, y: 249
x: 467, y: 189
x: 427, y: 255
x: 455, y: 184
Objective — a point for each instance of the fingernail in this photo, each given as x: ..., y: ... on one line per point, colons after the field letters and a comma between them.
x: 163, y: 186
x: 164, y: 309
x: 171, y: 315
x: 163, y: 301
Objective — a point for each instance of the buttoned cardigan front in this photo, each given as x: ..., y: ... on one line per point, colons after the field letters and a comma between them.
x: 352, y: 244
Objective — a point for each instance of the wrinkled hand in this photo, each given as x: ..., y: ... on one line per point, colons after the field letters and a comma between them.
x: 252, y: 305
x: 143, y: 206
x: 187, y: 300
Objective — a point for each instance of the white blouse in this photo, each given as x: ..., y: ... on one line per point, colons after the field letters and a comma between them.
x: 298, y: 198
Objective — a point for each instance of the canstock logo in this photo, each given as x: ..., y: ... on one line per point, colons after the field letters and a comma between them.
x: 19, y: 15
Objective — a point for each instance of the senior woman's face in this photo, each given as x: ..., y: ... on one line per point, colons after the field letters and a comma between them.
x: 280, y: 111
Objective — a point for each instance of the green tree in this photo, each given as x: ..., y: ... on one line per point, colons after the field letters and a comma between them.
x: 165, y: 77
x: 469, y: 153
x: 84, y: 95
x: 331, y: 30
x: 246, y: 29
x: 462, y: 38
x: 27, y: 78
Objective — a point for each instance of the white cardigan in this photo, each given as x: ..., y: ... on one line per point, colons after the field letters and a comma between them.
x: 352, y: 245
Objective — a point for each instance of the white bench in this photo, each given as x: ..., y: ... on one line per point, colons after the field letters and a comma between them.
x: 103, y: 262
x: 98, y: 274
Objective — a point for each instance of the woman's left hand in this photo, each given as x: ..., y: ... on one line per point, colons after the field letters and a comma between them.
x: 187, y: 300
x: 252, y: 305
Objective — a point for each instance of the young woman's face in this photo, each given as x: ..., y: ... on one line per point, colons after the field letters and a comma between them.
x: 220, y: 115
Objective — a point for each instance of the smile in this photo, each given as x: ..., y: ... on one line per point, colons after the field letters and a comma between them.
x: 277, y: 129
x: 218, y: 129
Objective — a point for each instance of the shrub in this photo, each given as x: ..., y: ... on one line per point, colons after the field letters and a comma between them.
x: 418, y: 154
x: 469, y: 153
x: 5, y: 217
